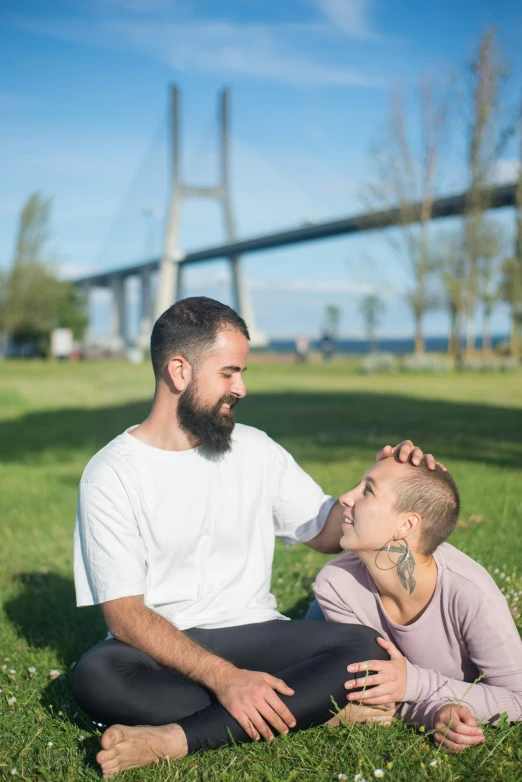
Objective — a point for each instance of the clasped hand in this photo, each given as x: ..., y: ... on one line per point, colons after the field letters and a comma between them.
x: 387, y: 683
x: 250, y: 697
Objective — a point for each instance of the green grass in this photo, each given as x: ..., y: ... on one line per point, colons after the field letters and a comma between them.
x: 54, y: 417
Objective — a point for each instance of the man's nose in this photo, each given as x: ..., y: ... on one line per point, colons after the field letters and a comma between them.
x: 239, y: 388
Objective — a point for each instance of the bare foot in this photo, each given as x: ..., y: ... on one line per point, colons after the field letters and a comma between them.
x: 125, y: 747
x: 382, y: 715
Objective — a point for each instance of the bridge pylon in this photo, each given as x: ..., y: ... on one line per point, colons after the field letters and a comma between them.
x: 171, y: 263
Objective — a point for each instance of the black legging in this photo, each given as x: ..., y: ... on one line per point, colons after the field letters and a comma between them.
x: 114, y: 682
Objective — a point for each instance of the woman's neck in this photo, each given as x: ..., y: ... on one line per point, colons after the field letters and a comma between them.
x: 406, y: 589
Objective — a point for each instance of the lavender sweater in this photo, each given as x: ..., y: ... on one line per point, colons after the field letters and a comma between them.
x: 466, y: 630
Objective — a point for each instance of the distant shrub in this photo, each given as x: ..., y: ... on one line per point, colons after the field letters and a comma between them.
x: 490, y: 364
x: 503, y: 349
x: 377, y: 363
x: 428, y: 362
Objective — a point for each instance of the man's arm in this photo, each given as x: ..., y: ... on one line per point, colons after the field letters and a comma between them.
x: 249, y: 696
x: 328, y: 540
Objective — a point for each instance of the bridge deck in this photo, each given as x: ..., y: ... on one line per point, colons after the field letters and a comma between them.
x: 447, y: 206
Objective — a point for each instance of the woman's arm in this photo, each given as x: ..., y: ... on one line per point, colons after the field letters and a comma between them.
x: 495, y: 648
x: 334, y: 607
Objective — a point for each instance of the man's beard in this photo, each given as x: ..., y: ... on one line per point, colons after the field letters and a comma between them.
x: 211, y: 427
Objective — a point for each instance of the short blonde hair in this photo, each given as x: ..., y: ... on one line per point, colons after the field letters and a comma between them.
x: 433, y: 494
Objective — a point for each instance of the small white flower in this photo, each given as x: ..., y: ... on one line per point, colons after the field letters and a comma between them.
x: 378, y: 773
x: 342, y: 777
x: 54, y: 674
x: 12, y: 670
x: 50, y: 743
x: 31, y: 669
x: 433, y: 763
x: 81, y: 738
x: 508, y: 578
x: 359, y: 778
x: 11, y: 700
x: 496, y: 570
x: 502, y: 575
x: 14, y: 772
x: 4, y: 667
x: 7, y: 659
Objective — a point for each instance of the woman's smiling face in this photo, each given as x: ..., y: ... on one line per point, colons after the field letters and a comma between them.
x: 369, y: 519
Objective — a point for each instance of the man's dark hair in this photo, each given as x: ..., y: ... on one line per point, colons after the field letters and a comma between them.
x: 433, y: 494
x: 189, y: 328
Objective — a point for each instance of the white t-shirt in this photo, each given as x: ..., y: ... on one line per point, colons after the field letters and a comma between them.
x: 191, y: 531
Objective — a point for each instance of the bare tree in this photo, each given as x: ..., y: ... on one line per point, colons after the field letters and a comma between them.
x: 371, y: 309
x: 487, y: 75
x: 33, y: 230
x: 449, y: 262
x: 332, y: 317
x: 406, y: 175
x: 489, y: 266
x: 515, y: 298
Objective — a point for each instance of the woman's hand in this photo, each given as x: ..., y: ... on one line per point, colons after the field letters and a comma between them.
x: 386, y: 685
x: 456, y: 728
x: 406, y: 450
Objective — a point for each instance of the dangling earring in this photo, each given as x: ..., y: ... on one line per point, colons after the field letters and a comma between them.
x: 405, y: 563
x: 402, y: 548
x: 399, y: 549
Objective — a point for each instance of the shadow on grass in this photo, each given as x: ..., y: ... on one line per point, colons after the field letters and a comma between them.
x: 324, y: 426
x: 44, y: 612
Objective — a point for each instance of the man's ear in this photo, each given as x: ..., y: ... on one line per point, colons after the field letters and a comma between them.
x: 179, y: 373
x: 410, y: 525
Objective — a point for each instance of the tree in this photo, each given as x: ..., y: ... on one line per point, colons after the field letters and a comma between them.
x: 487, y: 74
x: 512, y: 283
x: 33, y: 230
x: 489, y: 263
x: 510, y: 291
x: 449, y: 263
x: 332, y: 317
x: 406, y: 174
x: 35, y: 301
x: 371, y: 309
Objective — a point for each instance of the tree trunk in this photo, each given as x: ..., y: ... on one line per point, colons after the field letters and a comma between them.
x: 486, y: 333
x: 419, y: 338
x: 470, y: 333
x: 373, y: 343
x: 454, y: 333
x: 514, y: 340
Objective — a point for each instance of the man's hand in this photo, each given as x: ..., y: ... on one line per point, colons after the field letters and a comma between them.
x: 406, y: 450
x: 250, y: 697
x: 388, y: 683
x: 354, y: 712
x: 456, y: 728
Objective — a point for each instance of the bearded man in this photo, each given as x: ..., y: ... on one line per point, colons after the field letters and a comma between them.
x: 175, y: 539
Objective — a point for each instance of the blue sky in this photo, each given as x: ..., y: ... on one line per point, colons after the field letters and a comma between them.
x: 83, y: 118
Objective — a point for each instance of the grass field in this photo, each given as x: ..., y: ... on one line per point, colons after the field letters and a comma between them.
x: 54, y: 417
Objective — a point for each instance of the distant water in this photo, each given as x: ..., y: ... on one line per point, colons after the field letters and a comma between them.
x: 360, y: 347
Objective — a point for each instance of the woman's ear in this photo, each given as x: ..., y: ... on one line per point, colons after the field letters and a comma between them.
x: 410, y: 525
x: 179, y: 373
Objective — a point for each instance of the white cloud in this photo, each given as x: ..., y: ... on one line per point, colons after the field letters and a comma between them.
x: 505, y: 171
x: 72, y: 271
x: 272, y: 52
x: 304, y: 285
x: 254, y: 50
x: 350, y: 17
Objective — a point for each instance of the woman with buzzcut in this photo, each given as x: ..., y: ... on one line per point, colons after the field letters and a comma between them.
x: 455, y: 652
